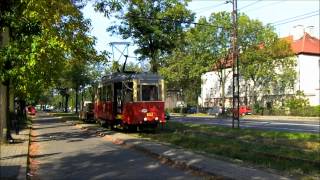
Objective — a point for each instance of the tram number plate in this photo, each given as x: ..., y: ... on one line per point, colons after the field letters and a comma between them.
x: 149, y: 114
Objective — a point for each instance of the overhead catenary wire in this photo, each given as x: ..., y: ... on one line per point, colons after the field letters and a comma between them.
x: 248, y: 5
x: 295, y: 20
x: 295, y: 17
x: 175, y: 21
x: 266, y: 5
x: 209, y: 7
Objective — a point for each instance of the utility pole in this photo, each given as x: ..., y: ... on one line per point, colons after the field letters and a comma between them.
x: 235, y: 67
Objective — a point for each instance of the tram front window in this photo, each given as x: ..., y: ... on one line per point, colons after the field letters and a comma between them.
x: 149, y: 93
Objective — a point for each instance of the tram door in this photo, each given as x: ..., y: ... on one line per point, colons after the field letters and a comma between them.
x: 117, y: 98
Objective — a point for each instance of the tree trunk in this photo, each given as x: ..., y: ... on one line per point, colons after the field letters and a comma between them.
x: 246, y: 93
x: 77, y: 99
x: 154, y: 62
x: 8, y: 114
x: 222, y: 80
x: 223, y: 98
x: 66, y: 103
x: 4, y: 116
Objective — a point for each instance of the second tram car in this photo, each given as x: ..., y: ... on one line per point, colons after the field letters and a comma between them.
x: 130, y: 100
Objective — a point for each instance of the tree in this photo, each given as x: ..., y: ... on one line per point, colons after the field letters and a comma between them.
x: 269, y: 66
x: 184, y: 67
x: 208, y: 47
x: 44, y: 35
x: 156, y: 26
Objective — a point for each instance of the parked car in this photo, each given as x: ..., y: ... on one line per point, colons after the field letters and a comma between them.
x: 216, y: 110
x: 244, y: 110
x: 31, y: 110
x: 192, y: 110
x: 86, y: 111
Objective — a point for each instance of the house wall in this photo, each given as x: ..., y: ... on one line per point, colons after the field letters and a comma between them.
x: 308, y: 81
x: 171, y: 99
x: 309, y: 77
x: 211, y: 91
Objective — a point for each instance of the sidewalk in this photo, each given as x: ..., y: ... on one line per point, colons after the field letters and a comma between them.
x: 13, y: 157
x: 182, y: 158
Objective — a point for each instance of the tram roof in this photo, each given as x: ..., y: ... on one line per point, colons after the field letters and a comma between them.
x: 118, y: 77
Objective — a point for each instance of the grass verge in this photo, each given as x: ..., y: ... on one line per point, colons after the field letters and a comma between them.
x: 291, y: 153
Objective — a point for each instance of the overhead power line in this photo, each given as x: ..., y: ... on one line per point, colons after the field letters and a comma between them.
x: 266, y: 5
x: 296, y: 19
x: 209, y: 7
x: 248, y: 5
x: 302, y: 16
x: 299, y: 16
x: 174, y: 21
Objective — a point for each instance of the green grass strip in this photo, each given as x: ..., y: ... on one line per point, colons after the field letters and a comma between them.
x: 293, y: 153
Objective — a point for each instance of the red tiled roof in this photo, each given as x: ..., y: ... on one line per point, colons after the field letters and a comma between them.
x: 305, y: 45
x: 223, y: 63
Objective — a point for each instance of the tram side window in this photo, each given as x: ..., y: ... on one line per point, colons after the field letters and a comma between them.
x: 149, y: 93
x: 128, y: 92
x: 104, y: 93
x: 108, y: 93
x: 99, y: 93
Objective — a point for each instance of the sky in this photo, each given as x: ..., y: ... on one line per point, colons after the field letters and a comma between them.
x: 285, y: 14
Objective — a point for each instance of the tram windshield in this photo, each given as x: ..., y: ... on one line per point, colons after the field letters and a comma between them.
x: 150, y: 93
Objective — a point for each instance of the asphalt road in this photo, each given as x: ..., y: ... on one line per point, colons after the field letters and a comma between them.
x: 303, y: 125
x: 67, y: 152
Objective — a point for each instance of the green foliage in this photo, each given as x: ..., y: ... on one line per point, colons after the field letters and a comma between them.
x: 156, y: 26
x: 307, y: 111
x: 297, y: 102
x: 207, y: 47
x: 268, y: 64
x: 49, y: 46
x: 257, y: 108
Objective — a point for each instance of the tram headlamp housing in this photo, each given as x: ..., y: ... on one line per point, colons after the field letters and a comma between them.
x: 156, y: 118
x: 145, y: 119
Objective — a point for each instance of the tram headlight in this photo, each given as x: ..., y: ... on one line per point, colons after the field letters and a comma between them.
x: 156, y: 118
x: 145, y: 119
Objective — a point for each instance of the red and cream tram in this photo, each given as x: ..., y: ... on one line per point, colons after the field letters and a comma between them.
x: 130, y: 100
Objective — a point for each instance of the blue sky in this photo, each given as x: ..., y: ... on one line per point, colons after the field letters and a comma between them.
x: 267, y: 11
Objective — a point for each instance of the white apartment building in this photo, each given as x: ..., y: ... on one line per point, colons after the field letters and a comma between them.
x: 307, y: 54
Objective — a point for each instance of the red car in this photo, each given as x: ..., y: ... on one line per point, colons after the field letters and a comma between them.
x: 244, y: 110
x: 31, y: 110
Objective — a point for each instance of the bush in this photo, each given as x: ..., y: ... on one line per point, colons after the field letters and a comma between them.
x: 308, y: 111
x: 297, y: 102
x: 257, y: 109
x: 313, y: 111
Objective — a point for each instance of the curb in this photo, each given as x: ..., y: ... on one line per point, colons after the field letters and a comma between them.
x: 175, y: 163
x: 162, y: 158
x: 197, y: 164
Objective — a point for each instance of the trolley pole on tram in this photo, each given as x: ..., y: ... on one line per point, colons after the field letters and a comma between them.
x: 235, y: 67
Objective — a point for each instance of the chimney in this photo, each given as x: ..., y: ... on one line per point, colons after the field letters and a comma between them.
x: 310, y: 31
x: 297, y: 32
